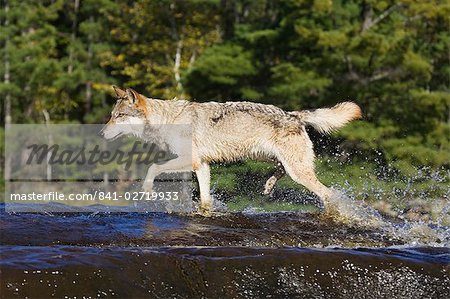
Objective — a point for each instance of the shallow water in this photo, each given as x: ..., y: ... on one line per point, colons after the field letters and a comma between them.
x: 218, y: 272
x: 278, y: 255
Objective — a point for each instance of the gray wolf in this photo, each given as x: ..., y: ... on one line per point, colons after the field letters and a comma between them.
x: 234, y: 131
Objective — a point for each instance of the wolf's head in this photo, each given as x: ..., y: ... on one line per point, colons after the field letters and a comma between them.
x: 128, y: 115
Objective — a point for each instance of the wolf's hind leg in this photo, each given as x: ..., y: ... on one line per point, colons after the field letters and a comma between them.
x: 270, y: 183
x: 203, y: 176
x: 307, y: 178
x: 297, y: 157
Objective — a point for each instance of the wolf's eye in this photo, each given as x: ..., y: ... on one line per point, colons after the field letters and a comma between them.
x: 121, y: 115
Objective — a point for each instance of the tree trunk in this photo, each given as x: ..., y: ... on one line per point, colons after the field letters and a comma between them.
x: 228, y: 18
x: 176, y: 66
x: 366, y: 14
x: 88, y: 101
x: 192, y: 59
x: 179, y: 39
x: 50, y: 141
x: 7, y: 81
x: 73, y: 35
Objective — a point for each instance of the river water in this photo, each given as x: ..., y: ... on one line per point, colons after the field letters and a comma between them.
x: 228, y: 255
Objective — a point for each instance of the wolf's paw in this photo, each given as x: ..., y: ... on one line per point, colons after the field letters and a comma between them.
x: 205, y: 210
x: 270, y: 185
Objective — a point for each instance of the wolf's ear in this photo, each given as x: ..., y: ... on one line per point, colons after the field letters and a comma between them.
x: 120, y: 92
x: 133, y: 96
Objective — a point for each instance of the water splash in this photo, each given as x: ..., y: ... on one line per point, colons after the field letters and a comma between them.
x: 356, y: 213
x: 345, y: 209
x: 419, y: 233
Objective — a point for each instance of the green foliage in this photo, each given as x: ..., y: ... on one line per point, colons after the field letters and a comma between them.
x: 290, y: 81
x: 222, y: 68
x: 148, y: 36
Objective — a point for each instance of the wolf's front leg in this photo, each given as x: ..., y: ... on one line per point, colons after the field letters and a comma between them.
x: 152, y: 172
x: 180, y: 164
x: 203, y: 176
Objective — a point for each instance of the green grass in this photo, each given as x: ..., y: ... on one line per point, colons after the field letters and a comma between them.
x: 243, y: 182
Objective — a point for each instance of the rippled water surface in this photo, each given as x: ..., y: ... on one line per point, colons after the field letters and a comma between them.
x: 277, y: 255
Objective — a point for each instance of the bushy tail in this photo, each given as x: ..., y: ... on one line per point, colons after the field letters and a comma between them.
x: 326, y: 120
